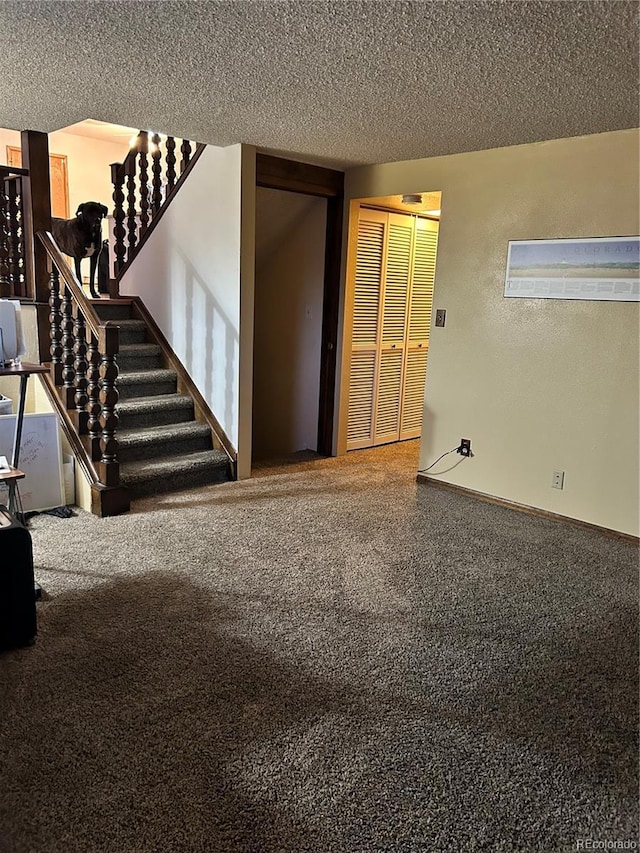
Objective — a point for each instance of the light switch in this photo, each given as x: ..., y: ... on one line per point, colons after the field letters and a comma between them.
x: 441, y: 316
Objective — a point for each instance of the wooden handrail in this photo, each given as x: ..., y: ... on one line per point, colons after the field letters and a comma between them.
x: 10, y: 171
x: 71, y: 281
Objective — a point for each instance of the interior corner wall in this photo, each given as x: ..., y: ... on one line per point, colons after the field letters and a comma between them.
x: 538, y: 385
x: 188, y: 276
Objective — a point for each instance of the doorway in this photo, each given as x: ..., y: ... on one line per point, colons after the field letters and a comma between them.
x: 391, y: 265
x: 319, y: 182
x: 289, y: 289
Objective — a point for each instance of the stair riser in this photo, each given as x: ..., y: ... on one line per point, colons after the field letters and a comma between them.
x: 139, y: 362
x: 145, y: 389
x: 161, y: 417
x: 132, y: 336
x: 164, y: 449
x: 114, y: 312
x: 189, y: 480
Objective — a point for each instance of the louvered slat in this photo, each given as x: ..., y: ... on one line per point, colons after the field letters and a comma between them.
x: 360, y: 421
x: 413, y: 395
x: 424, y: 268
x: 387, y: 421
x: 367, y: 284
x: 397, y: 282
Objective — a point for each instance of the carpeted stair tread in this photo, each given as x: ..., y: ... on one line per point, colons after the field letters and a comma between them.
x: 155, y: 410
x: 166, y: 440
x: 142, y: 405
x: 153, y: 476
x: 132, y: 331
x: 145, y: 383
x: 139, y: 357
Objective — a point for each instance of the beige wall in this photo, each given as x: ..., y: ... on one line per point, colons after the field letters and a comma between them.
x: 88, y: 162
x: 537, y: 385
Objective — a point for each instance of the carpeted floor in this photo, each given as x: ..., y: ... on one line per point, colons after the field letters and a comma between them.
x: 330, y: 658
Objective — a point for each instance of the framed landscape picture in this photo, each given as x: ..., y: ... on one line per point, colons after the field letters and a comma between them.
x: 593, y: 268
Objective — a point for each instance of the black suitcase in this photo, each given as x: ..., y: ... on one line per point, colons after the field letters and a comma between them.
x: 18, y: 625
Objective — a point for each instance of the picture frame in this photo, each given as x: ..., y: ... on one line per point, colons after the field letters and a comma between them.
x: 588, y: 268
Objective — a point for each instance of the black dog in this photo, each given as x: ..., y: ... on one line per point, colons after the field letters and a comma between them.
x: 82, y: 238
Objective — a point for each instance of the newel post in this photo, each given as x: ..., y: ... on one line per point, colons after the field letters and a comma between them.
x: 37, y: 217
x: 109, y: 467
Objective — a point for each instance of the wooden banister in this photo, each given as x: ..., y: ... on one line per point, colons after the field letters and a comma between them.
x: 71, y: 281
x: 84, y: 376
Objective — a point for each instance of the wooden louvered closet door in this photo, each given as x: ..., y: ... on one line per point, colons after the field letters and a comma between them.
x: 393, y: 291
x: 419, y: 324
x: 366, y: 323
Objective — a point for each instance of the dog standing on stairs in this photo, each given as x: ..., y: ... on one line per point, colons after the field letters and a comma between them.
x: 82, y: 238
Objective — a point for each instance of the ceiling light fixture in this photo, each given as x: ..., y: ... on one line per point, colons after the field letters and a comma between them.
x: 412, y: 198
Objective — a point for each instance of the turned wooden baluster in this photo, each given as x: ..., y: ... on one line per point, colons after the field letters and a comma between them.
x: 119, y: 251
x: 5, y: 287
x: 170, y: 158
x: 143, y: 148
x: 93, y: 391
x: 185, y: 148
x: 156, y: 168
x: 130, y: 169
x: 20, y: 236
x: 55, y: 324
x: 16, y: 274
x: 68, y: 357
x: 109, y: 466
x: 80, y: 366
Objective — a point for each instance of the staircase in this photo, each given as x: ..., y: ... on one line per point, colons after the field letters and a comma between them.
x: 161, y: 445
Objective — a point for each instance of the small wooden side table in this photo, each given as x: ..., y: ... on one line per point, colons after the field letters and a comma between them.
x: 24, y: 371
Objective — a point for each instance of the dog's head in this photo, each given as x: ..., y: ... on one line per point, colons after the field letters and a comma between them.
x: 91, y: 214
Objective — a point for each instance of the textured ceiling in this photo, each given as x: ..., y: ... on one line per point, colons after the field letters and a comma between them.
x: 334, y: 82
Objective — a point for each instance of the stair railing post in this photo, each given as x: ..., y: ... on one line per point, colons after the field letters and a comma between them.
x: 5, y: 285
x: 170, y: 159
x: 156, y: 170
x: 119, y: 251
x: 55, y: 327
x: 80, y: 366
x: 93, y: 390
x: 109, y: 467
x: 143, y: 148
x: 68, y: 356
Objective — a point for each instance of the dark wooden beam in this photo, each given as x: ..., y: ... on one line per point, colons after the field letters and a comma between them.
x: 37, y: 208
x: 277, y: 173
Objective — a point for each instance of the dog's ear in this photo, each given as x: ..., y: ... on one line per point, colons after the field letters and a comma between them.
x: 80, y: 210
x: 105, y: 210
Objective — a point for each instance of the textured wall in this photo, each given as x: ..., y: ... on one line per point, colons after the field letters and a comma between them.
x: 537, y: 385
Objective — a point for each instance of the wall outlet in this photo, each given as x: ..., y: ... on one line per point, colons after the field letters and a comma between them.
x: 441, y: 317
x: 465, y: 447
x: 558, y: 480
